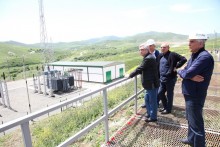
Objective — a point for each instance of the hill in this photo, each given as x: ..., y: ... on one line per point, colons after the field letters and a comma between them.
x: 20, y: 48
x: 158, y: 37
x: 136, y: 39
x: 108, y: 48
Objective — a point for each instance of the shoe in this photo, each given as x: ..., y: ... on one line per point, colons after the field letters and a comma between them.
x: 162, y: 109
x: 147, y: 116
x: 160, y: 105
x: 143, y: 106
x: 186, y: 141
x: 165, y: 112
x: 150, y: 120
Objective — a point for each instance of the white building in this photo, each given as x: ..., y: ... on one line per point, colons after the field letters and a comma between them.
x: 103, y: 72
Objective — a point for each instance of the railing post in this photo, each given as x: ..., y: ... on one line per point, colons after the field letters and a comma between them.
x: 26, y: 134
x: 106, y: 114
x: 135, y: 91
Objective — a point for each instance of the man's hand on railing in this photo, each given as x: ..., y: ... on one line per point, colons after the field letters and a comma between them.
x: 127, y: 76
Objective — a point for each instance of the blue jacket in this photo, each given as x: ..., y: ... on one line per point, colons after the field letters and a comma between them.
x: 200, y: 63
x: 156, y: 53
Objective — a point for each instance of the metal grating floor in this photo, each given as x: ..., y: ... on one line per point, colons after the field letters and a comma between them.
x: 167, y: 132
x: 137, y: 133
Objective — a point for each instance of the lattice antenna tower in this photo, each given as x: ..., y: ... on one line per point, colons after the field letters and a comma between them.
x: 47, y: 52
x: 51, y: 51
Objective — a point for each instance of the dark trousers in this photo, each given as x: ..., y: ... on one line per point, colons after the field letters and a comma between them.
x: 196, y: 131
x: 167, y: 100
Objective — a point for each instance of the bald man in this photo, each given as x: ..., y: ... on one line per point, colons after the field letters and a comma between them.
x: 168, y: 63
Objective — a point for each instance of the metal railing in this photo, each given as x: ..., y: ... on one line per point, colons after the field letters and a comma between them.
x: 24, y: 122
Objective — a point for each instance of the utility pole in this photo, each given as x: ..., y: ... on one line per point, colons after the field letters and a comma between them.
x: 24, y: 70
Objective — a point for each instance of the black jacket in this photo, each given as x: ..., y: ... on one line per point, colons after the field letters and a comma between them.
x: 149, y: 72
x: 174, y: 61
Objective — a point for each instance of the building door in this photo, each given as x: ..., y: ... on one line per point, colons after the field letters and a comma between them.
x: 121, y: 72
x: 108, y: 76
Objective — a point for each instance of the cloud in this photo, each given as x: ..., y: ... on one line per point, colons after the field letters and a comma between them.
x: 187, y: 8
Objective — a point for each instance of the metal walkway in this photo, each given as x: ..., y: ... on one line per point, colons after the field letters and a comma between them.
x: 169, y: 129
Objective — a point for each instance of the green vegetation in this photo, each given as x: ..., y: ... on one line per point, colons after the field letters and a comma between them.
x: 57, y: 128
x: 100, y: 49
x: 13, y: 56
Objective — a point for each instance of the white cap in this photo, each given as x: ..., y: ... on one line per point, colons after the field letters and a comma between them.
x: 198, y: 36
x: 150, y: 42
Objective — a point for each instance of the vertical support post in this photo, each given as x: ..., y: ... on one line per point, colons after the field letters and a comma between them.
x: 34, y: 83
x: 26, y: 134
x: 135, y: 91
x: 106, y: 114
x: 2, y: 94
x: 39, y: 85
x: 50, y: 82
x: 6, y: 92
x: 45, y: 90
x: 24, y: 70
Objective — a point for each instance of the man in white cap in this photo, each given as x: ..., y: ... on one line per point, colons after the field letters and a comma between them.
x: 196, y: 78
x: 152, y: 47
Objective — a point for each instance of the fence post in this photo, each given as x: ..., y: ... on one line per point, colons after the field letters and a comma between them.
x: 2, y: 94
x: 26, y: 134
x: 135, y: 91
x: 6, y: 92
x: 106, y: 114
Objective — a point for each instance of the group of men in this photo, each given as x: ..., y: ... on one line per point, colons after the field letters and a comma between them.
x: 159, y: 75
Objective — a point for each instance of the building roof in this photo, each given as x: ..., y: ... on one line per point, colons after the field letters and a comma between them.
x: 86, y: 64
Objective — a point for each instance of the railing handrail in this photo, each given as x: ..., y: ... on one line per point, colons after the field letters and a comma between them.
x: 24, y: 121
x: 96, y: 122
x: 31, y: 116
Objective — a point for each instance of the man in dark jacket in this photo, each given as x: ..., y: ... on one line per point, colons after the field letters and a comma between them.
x: 196, y: 78
x: 150, y: 81
x: 168, y: 63
x: 151, y: 45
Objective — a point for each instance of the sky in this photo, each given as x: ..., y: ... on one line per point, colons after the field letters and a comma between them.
x: 75, y: 20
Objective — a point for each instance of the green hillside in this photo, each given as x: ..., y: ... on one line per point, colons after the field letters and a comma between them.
x: 99, y: 49
x: 158, y: 36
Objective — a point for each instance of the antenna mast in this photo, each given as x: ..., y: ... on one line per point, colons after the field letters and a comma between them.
x: 47, y: 52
